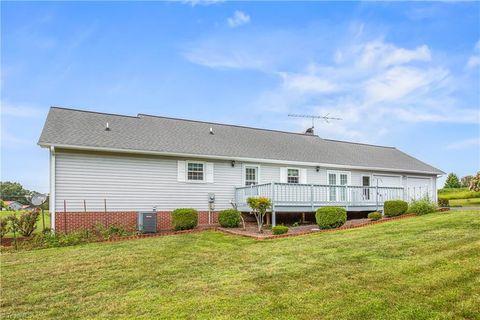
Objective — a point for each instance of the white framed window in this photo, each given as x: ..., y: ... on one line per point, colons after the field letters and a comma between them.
x: 195, y: 171
x: 251, y: 175
x: 293, y: 175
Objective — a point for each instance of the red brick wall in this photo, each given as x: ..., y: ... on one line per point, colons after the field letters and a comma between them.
x: 71, y: 221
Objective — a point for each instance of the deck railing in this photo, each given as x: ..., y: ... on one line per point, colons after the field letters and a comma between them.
x: 316, y: 195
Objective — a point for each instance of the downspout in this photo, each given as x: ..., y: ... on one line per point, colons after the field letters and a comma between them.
x: 52, y: 188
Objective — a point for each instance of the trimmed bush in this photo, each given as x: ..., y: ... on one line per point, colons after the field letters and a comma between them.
x: 393, y: 208
x: 229, y: 218
x: 279, y: 229
x: 184, y: 218
x: 422, y: 206
x: 443, y: 203
x: 375, y: 216
x: 331, y: 217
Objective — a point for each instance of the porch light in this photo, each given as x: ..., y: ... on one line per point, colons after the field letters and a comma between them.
x: 318, y: 168
x: 233, y: 163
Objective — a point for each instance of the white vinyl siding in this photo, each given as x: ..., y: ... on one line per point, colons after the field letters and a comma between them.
x: 138, y: 183
x: 130, y: 182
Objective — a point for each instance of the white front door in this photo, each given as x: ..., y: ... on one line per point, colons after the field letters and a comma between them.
x: 338, y: 182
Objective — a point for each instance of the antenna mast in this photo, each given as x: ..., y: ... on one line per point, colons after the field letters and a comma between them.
x: 325, y: 118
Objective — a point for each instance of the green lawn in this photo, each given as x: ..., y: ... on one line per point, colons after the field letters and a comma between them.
x: 457, y: 193
x: 473, y: 202
x: 39, y: 221
x: 420, y: 268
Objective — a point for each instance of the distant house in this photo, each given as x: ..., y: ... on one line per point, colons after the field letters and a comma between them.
x: 107, y: 167
x: 13, y: 205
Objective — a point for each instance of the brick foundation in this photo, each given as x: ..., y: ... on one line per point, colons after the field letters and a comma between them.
x: 72, y: 221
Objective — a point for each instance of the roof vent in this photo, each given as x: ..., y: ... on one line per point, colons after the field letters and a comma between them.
x: 211, y: 131
x: 309, y: 131
x: 107, y: 127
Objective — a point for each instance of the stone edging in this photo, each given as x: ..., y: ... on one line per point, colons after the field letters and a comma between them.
x: 286, y: 235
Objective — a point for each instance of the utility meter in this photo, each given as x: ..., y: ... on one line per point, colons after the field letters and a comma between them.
x: 211, y: 201
x: 211, y: 198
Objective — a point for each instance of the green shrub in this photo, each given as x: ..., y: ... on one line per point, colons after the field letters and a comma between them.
x: 26, y: 223
x: 375, y: 216
x: 184, y: 218
x: 229, y: 218
x: 111, y: 231
x: 4, y: 227
x: 394, y: 208
x: 443, y: 203
x: 422, y: 206
x: 279, y: 229
x: 330, y: 217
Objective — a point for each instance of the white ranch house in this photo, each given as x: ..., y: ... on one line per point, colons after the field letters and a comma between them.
x: 116, y: 164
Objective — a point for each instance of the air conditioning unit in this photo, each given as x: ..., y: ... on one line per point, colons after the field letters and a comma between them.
x: 147, y: 222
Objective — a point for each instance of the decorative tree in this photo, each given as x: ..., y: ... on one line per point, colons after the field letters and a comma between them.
x: 475, y: 183
x: 465, y: 181
x: 259, y: 206
x: 452, y: 181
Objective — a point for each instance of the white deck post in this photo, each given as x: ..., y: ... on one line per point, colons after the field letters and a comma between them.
x: 274, y: 218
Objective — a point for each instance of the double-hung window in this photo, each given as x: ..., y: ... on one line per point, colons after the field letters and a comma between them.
x: 293, y: 176
x: 251, y: 175
x: 195, y: 171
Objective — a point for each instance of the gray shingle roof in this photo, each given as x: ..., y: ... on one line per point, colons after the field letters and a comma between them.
x: 68, y: 127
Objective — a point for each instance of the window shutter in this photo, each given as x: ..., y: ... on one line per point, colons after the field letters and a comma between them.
x: 181, y: 170
x: 209, y: 172
x: 283, y: 175
x: 303, y: 176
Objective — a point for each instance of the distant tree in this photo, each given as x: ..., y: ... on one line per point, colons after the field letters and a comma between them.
x: 452, y: 181
x: 475, y: 183
x: 13, y: 191
x: 465, y: 181
x: 2, y: 204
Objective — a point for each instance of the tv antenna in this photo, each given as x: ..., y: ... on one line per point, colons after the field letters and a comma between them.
x: 325, y: 118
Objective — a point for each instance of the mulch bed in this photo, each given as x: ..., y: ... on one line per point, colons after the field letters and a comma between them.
x: 251, y: 230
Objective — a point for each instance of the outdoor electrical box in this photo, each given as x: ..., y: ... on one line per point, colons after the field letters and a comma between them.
x: 147, y: 222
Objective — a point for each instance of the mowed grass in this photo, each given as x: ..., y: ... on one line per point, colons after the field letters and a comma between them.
x: 425, y: 267
x: 473, y: 202
x: 457, y: 193
x: 39, y: 228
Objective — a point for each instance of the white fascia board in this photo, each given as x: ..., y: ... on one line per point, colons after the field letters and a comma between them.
x: 227, y: 158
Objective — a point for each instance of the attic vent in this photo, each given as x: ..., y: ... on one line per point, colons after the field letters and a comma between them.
x: 211, y: 131
x: 309, y: 131
x: 107, y: 127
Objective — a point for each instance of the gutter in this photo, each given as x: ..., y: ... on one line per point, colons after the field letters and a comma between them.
x: 242, y: 159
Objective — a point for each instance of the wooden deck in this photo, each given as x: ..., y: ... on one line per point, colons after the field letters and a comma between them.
x: 288, y: 197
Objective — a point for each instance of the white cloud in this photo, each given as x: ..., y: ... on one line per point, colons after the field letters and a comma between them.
x: 194, y: 3
x: 20, y: 111
x: 308, y: 83
x: 398, y: 82
x: 377, y: 87
x: 464, y: 144
x: 379, y: 53
x: 239, y: 18
x: 474, y: 60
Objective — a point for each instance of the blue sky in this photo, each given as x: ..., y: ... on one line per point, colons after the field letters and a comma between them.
x: 400, y: 74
